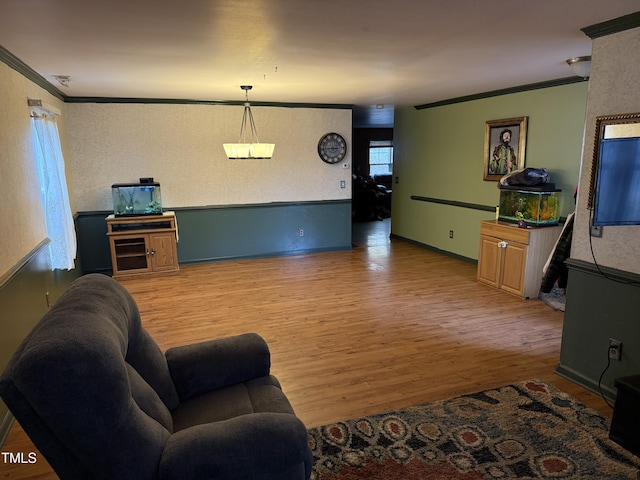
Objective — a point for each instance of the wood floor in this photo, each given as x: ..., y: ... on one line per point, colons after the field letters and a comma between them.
x: 357, y: 332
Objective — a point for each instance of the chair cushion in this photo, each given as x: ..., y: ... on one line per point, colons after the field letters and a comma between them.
x: 148, y: 400
x: 260, y: 395
x: 260, y: 446
x: 145, y: 356
x: 203, y: 367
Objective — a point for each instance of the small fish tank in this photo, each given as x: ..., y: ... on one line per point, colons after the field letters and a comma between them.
x: 135, y: 199
x: 534, y: 207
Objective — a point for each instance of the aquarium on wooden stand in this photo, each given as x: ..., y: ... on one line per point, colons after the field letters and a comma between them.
x: 534, y: 206
x: 133, y: 199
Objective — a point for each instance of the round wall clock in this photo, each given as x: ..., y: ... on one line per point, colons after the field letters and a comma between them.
x: 332, y: 148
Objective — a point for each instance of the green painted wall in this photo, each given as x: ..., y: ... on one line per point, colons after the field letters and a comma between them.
x: 208, y: 234
x: 223, y: 233
x: 439, y: 152
x: 23, y: 301
x: 600, y: 306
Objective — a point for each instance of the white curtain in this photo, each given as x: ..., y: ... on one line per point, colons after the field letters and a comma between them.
x: 55, y: 197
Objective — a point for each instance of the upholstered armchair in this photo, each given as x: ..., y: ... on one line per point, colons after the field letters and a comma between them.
x: 100, y: 400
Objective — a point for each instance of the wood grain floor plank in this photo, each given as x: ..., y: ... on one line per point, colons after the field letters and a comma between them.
x: 356, y: 332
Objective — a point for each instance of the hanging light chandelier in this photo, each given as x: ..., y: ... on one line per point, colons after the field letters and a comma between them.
x: 581, y: 66
x: 251, y: 149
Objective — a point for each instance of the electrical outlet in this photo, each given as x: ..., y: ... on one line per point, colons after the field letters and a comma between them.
x: 302, y: 232
x: 615, y: 349
x: 596, y: 231
x: 450, y: 233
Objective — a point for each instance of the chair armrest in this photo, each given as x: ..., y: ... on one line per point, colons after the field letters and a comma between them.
x: 207, y: 366
x: 259, y: 445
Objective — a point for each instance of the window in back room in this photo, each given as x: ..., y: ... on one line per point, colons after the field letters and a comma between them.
x: 380, y: 157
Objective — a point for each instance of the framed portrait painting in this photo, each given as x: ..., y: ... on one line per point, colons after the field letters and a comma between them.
x: 504, y: 147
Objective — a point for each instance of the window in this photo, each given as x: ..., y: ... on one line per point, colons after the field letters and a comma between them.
x: 53, y: 191
x: 380, y: 157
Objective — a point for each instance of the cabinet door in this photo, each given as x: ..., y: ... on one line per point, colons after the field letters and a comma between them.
x: 489, y: 261
x: 513, y: 265
x: 130, y: 253
x: 164, y: 255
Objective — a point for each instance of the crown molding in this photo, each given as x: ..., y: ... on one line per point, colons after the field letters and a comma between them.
x: 620, y: 24
x: 504, y: 91
x: 19, y: 66
x: 180, y: 101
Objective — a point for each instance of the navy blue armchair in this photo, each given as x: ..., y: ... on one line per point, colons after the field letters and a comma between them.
x: 100, y: 400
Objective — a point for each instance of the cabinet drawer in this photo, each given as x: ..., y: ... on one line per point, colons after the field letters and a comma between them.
x: 509, y: 233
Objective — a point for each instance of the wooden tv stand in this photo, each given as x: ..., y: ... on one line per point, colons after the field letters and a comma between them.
x: 143, y: 245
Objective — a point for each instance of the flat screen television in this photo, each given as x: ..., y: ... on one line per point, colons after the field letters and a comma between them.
x: 617, y: 194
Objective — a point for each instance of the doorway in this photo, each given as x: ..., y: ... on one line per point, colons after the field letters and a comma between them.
x: 371, y: 234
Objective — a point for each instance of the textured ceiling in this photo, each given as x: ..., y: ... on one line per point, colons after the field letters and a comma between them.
x: 401, y: 52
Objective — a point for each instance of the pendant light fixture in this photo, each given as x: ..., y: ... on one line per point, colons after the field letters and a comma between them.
x: 251, y: 149
x: 581, y: 66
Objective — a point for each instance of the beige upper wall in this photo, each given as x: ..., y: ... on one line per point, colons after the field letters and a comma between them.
x: 21, y: 214
x: 614, y: 88
x: 180, y: 146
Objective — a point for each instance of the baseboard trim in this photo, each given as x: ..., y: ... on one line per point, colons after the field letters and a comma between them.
x: 200, y: 261
x: 435, y: 249
x: 591, y: 385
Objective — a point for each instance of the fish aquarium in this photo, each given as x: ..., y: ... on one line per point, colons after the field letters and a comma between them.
x: 133, y: 199
x: 534, y: 207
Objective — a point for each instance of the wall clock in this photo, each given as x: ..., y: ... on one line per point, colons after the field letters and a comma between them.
x: 332, y: 148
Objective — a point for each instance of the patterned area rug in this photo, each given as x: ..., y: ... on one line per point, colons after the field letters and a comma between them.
x: 556, y: 298
x: 526, y: 430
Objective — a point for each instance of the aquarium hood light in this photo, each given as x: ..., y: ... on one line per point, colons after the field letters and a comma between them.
x: 251, y: 149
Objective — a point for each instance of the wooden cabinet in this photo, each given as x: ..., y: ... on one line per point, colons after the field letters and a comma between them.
x: 512, y: 258
x: 143, y: 245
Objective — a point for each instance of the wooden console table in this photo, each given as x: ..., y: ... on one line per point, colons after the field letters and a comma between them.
x: 143, y: 245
